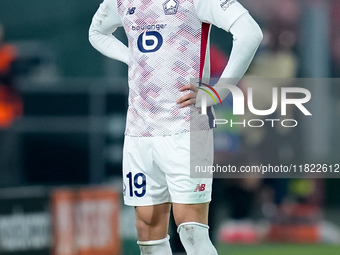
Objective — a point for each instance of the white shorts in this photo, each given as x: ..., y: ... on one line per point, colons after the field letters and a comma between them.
x: 156, y: 170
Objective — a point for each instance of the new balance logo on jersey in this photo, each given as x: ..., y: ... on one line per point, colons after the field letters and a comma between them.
x: 200, y: 187
x: 170, y: 7
x: 131, y: 11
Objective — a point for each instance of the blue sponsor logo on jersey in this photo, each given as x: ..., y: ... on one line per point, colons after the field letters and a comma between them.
x: 149, y: 41
x: 170, y: 7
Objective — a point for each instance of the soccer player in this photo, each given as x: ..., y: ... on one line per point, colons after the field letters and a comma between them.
x: 167, y: 46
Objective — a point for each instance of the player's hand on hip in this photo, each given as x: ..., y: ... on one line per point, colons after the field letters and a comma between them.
x: 189, y: 98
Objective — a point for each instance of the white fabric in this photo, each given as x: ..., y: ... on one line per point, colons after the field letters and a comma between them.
x: 155, y: 247
x: 247, y: 36
x: 161, y: 168
x: 156, y: 74
x: 195, y: 239
x: 221, y: 13
x: 107, y: 20
x: 104, y: 23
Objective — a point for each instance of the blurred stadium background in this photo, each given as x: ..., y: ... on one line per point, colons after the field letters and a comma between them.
x: 62, y: 119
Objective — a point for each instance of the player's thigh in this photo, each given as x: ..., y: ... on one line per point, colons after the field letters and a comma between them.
x: 152, y: 222
x: 191, y: 213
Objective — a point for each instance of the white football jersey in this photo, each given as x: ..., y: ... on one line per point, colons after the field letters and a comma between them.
x: 168, y: 46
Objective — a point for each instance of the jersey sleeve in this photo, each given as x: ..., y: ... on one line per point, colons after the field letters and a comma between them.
x: 247, y: 36
x: 221, y: 13
x: 105, y: 21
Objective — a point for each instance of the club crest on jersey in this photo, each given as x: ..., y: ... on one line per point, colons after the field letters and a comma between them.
x: 170, y: 7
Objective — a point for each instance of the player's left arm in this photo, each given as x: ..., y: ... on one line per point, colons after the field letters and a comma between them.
x: 247, y: 36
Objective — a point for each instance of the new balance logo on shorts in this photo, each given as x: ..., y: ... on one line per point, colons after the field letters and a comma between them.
x: 200, y: 187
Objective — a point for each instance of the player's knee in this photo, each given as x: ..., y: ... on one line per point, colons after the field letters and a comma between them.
x: 195, y: 239
x: 149, y: 230
x: 143, y: 226
x: 155, y: 247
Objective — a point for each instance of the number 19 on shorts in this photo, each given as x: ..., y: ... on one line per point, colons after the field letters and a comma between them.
x: 137, y: 184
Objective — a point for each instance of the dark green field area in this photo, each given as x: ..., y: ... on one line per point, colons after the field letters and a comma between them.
x: 278, y: 249
x: 131, y: 248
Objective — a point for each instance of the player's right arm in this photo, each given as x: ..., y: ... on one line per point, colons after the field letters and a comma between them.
x: 105, y: 21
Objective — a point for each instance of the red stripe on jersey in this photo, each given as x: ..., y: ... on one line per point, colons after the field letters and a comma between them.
x: 204, y: 43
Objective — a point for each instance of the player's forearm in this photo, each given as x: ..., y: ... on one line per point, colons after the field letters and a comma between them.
x: 109, y: 46
x: 247, y: 38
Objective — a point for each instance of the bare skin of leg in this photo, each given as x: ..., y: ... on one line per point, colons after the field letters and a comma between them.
x: 191, y: 213
x: 152, y: 222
